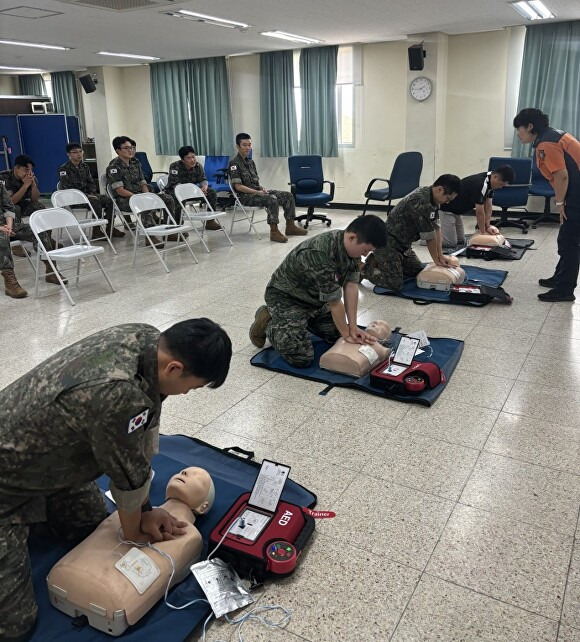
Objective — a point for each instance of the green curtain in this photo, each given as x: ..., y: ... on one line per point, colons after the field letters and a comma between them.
x: 170, y: 106
x: 278, y: 132
x: 551, y: 76
x: 32, y: 85
x: 318, y: 133
x: 209, y: 101
x: 64, y: 91
x: 190, y: 100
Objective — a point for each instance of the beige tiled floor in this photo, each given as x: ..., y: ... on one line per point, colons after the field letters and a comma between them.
x: 454, y: 523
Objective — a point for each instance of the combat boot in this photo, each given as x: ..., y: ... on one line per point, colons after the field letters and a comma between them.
x: 51, y: 276
x: 19, y: 251
x: 11, y: 286
x: 276, y: 235
x: 212, y: 224
x: 258, y: 328
x: 293, y: 230
x: 158, y: 243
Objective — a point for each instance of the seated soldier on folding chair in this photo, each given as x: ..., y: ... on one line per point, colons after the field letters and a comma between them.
x: 245, y: 180
x: 13, y: 229
x: 76, y: 174
x: 125, y: 176
x: 188, y: 170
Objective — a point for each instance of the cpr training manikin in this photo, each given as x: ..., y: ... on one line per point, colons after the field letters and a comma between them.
x: 489, y: 240
x: 437, y: 277
x: 115, y: 584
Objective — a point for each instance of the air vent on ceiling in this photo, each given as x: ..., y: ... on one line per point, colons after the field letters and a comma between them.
x: 121, y: 5
x: 32, y: 13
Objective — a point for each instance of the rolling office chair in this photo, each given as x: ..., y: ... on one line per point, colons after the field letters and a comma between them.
x: 515, y: 195
x: 306, y: 183
x: 405, y: 177
x: 148, y: 171
x: 541, y: 187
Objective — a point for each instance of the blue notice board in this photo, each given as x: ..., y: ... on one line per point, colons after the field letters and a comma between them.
x: 44, y: 138
x: 9, y: 128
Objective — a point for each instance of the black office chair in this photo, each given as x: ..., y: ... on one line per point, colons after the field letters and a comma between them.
x: 405, y: 178
x: 514, y: 195
x: 541, y: 187
x: 306, y: 184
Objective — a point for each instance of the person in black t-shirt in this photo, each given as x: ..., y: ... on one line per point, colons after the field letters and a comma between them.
x: 476, y: 191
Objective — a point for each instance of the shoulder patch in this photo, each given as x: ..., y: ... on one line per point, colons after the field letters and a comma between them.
x: 113, y: 170
x: 63, y: 173
x: 542, y: 154
x: 174, y: 171
x: 233, y: 167
x: 433, y: 215
x: 137, y: 421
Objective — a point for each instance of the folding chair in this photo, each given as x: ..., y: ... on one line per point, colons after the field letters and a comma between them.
x: 248, y: 211
x: 162, y: 182
x: 140, y: 203
x: 194, y: 194
x: 26, y: 252
x: 107, y: 189
x: 68, y: 198
x: 58, y: 218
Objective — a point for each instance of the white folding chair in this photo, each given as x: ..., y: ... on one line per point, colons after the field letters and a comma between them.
x: 26, y: 252
x: 247, y: 212
x: 148, y: 202
x: 162, y: 182
x: 108, y: 190
x: 58, y: 218
x: 68, y: 198
x: 188, y: 195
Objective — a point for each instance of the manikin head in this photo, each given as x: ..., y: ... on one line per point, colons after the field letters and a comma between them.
x: 194, y: 487
x: 379, y: 329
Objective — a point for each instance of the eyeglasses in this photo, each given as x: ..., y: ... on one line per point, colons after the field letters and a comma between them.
x: 130, y: 147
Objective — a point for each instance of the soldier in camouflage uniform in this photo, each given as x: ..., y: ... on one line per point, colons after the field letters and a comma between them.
x: 414, y: 217
x: 125, y: 176
x: 92, y: 409
x: 21, y: 185
x: 244, y: 177
x: 75, y: 174
x: 305, y: 293
x: 13, y: 229
x: 188, y: 170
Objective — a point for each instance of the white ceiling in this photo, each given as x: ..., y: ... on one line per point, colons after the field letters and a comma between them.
x: 88, y: 29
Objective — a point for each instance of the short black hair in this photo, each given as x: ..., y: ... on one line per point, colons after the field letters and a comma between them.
x: 506, y: 173
x: 203, y: 347
x: 118, y: 141
x: 242, y: 136
x: 23, y: 161
x: 369, y: 229
x: 133, y: 142
x: 72, y: 146
x: 532, y: 116
x: 450, y: 183
x: 185, y: 150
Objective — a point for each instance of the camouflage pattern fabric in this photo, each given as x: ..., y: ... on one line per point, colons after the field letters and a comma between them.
x: 25, y: 206
x: 243, y: 171
x: 179, y: 174
x: 79, y: 177
x: 414, y: 217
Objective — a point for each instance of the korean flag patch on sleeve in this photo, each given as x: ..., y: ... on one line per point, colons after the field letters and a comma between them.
x: 233, y: 167
x: 174, y: 172
x: 63, y: 173
x: 138, y: 421
x: 113, y: 171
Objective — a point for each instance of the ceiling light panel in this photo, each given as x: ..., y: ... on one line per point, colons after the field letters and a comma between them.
x: 126, y: 55
x: 37, y: 45
x: 541, y: 8
x: 282, y: 35
x: 3, y: 68
x: 213, y: 20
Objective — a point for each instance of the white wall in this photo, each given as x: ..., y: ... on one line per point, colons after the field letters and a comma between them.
x: 8, y: 86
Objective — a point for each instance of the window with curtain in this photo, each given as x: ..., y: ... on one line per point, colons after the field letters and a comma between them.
x: 31, y: 85
x: 278, y: 132
x: 550, y: 78
x: 191, y: 106
x: 64, y: 90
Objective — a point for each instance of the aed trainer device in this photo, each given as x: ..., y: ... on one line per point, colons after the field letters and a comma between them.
x: 260, y: 535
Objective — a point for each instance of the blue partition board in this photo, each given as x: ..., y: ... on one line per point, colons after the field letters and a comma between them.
x: 74, y: 132
x: 44, y: 138
x: 9, y: 128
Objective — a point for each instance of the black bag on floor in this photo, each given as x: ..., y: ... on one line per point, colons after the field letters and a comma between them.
x: 488, y: 253
x: 478, y: 294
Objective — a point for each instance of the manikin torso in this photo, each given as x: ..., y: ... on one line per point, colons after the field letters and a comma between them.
x: 88, y: 573
x: 354, y: 359
x: 492, y: 240
x: 434, y: 274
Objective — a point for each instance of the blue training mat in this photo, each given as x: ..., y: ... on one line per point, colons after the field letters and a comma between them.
x: 475, y: 276
x: 446, y: 354
x: 232, y: 476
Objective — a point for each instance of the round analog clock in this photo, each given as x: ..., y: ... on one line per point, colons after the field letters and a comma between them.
x: 421, y: 88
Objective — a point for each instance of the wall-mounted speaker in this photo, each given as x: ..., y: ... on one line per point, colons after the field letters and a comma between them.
x: 89, y: 85
x: 416, y: 57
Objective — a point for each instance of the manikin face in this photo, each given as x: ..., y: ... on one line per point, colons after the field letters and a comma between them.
x: 524, y: 133
x: 440, y: 196
x: 22, y: 172
x: 192, y: 486
x: 245, y: 147
x: 379, y: 329
x: 75, y: 155
x: 496, y: 181
x: 355, y: 248
x: 189, y: 161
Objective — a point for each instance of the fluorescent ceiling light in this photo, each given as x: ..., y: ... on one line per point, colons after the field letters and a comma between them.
x: 532, y: 10
x: 211, y: 20
x: 282, y: 35
x: 126, y: 55
x: 33, y: 44
x: 541, y: 8
x: 20, y: 69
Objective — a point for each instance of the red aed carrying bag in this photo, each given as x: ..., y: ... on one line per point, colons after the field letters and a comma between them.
x: 413, y: 380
